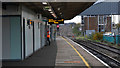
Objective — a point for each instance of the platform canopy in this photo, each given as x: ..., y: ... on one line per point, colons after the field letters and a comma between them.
x: 66, y: 10
x: 103, y: 8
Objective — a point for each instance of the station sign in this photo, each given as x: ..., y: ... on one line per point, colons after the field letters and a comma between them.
x: 56, y: 21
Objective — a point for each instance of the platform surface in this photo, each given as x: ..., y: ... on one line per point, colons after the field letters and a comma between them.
x: 67, y: 56
x: 45, y: 56
x: 61, y: 53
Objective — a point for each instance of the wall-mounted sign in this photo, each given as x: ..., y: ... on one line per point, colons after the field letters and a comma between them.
x: 56, y: 21
x: 29, y: 23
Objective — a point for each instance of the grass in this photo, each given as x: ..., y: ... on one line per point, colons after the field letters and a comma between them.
x: 79, y: 37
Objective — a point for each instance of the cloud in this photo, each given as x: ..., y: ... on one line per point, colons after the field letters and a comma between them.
x: 76, y: 19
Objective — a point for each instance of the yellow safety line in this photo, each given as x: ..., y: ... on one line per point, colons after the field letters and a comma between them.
x: 78, y: 53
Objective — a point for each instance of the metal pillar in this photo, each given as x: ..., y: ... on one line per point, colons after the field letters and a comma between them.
x: 51, y: 31
x: 82, y: 25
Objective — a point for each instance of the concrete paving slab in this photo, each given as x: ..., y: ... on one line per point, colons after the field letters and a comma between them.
x: 89, y: 58
x: 66, y: 56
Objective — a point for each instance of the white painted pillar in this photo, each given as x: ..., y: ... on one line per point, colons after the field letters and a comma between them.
x: 104, y: 22
x: 0, y: 34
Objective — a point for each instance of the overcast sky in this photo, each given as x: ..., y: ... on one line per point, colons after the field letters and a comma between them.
x: 76, y: 19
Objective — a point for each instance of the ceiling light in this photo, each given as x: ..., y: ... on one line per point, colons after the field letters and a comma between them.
x: 54, y: 15
x: 49, y: 9
x: 58, y: 8
x: 51, y: 12
x: 60, y: 13
x: 44, y: 3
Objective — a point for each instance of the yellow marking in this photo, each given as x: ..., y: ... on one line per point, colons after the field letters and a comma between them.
x: 78, y: 53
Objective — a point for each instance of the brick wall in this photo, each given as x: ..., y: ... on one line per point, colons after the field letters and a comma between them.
x: 108, y: 25
x: 93, y: 24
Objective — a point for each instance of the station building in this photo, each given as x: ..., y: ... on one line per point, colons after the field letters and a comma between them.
x: 24, y: 31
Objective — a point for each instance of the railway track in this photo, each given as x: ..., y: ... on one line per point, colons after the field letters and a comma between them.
x: 111, y: 49
x: 105, y: 45
x: 113, y: 52
x: 102, y: 53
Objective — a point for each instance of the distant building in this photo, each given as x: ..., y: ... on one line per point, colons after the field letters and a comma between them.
x: 97, y: 23
x: 72, y: 23
x: 101, y: 17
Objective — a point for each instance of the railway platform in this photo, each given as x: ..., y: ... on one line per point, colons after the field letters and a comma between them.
x: 61, y: 53
x: 70, y: 53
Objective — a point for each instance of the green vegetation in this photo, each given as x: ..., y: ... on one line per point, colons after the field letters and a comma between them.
x: 79, y: 37
x: 76, y: 30
x: 96, y: 36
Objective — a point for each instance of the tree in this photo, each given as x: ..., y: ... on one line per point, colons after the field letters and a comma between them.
x: 76, y: 30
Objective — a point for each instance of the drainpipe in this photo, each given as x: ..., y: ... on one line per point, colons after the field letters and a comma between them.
x: 88, y: 22
x: 98, y: 23
x: 111, y: 24
x: 104, y: 23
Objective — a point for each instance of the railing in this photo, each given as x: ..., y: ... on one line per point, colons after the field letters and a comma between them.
x: 112, y: 39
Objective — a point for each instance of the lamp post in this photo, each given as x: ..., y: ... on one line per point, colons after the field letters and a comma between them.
x: 82, y: 25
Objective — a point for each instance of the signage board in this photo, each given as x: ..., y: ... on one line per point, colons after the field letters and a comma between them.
x: 56, y: 21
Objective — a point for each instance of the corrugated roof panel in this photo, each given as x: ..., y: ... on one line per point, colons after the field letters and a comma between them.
x: 104, y: 8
